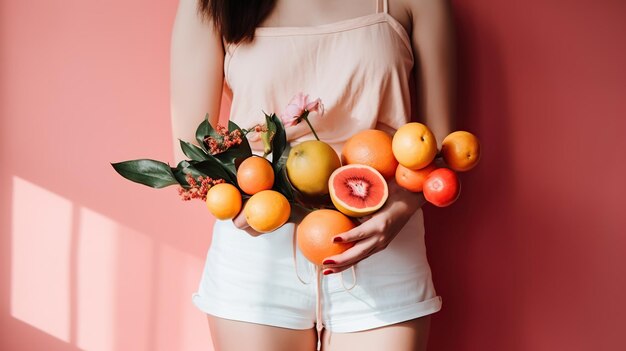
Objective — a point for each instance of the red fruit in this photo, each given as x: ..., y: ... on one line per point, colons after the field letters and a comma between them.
x: 442, y: 187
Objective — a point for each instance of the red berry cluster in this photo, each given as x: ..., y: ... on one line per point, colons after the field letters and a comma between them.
x: 197, y: 188
x: 225, y: 141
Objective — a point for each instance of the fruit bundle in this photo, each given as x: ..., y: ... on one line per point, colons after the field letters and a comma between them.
x: 223, y: 172
x: 359, y: 187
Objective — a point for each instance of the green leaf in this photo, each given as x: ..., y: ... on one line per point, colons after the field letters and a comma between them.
x: 281, y: 181
x: 236, y: 153
x: 232, y: 126
x: 280, y: 153
x: 153, y: 173
x: 181, y: 170
x: 192, y: 151
x: 214, y: 169
x: 280, y: 161
x: 282, y: 184
x: 268, y: 136
x: 271, y: 123
x: 203, y: 130
x: 279, y: 142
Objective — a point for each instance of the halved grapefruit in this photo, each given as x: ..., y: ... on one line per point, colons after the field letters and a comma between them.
x: 357, y: 190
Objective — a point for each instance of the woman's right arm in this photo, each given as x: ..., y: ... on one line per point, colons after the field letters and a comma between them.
x: 196, y: 74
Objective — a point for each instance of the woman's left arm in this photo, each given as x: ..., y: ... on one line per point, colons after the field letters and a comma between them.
x: 434, y: 48
x: 433, y: 43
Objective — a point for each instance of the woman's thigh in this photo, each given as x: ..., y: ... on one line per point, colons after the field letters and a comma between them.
x: 230, y: 335
x: 411, y: 335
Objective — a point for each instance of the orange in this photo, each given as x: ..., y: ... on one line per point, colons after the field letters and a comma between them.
x: 413, y: 180
x: 267, y: 210
x: 372, y: 148
x: 414, y: 145
x: 309, y: 166
x: 316, y: 231
x: 223, y: 201
x: 461, y: 150
x: 255, y: 174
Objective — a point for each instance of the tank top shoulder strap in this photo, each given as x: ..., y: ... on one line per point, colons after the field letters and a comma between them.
x: 385, y: 6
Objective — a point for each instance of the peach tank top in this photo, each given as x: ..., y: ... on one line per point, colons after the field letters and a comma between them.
x: 359, y: 67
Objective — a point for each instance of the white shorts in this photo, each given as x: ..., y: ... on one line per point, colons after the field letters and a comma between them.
x: 253, y: 279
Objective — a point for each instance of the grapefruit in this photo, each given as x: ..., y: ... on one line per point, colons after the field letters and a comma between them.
x: 413, y: 180
x: 223, y: 201
x: 357, y: 190
x: 371, y: 147
x: 414, y: 145
x: 267, y: 210
x: 461, y: 150
x: 255, y: 174
x: 316, y: 231
x: 442, y: 187
x: 309, y: 165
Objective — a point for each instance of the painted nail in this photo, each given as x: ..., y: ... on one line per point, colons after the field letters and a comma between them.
x: 328, y: 262
x: 327, y: 271
x: 337, y: 239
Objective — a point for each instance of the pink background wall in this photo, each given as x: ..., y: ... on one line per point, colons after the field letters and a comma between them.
x: 530, y: 258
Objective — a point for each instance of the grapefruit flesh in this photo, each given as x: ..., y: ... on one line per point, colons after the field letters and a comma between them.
x: 357, y: 190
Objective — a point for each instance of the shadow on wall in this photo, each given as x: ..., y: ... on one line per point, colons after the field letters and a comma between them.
x: 472, y: 238
x: 89, y: 260
x: 77, y: 279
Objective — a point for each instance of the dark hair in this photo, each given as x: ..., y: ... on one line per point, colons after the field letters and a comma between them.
x: 236, y: 20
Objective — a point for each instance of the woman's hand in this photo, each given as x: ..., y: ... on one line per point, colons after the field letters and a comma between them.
x: 241, y: 223
x: 375, y: 233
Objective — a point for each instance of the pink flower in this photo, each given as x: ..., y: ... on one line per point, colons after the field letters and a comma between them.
x: 298, y: 107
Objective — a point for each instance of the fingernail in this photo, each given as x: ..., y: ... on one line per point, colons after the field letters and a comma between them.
x: 328, y: 271
x: 337, y: 239
x: 328, y: 262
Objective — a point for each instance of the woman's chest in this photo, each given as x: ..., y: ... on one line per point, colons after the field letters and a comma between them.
x: 343, y: 57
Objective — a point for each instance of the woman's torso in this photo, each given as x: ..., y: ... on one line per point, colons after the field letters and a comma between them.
x: 360, y: 67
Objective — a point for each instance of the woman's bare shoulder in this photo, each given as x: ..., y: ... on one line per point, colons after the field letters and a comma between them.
x: 401, y: 11
x: 412, y: 10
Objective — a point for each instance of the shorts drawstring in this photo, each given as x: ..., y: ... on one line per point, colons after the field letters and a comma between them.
x: 318, y: 293
x: 319, y: 322
x: 295, y: 263
x: 353, y: 279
